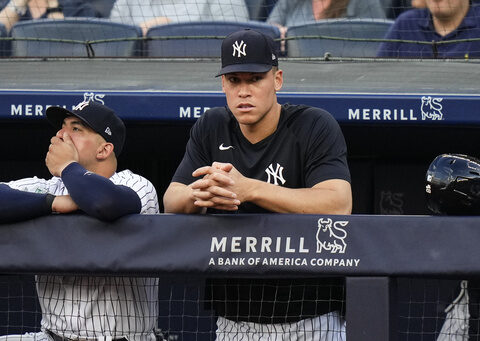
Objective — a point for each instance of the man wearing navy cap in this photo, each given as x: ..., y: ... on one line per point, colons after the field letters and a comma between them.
x: 257, y: 156
x: 82, y: 157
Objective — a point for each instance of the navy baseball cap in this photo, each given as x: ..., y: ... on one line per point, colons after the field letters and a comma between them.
x: 248, y: 51
x: 99, y: 117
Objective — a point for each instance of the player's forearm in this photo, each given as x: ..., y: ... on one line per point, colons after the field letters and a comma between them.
x: 179, y: 199
x: 98, y: 196
x: 18, y: 205
x: 335, y: 200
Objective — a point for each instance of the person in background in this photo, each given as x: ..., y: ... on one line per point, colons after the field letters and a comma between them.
x: 441, y: 21
x: 16, y: 10
x: 149, y: 13
x: 288, y: 13
x: 299, y: 12
x: 397, y: 7
x: 419, y: 3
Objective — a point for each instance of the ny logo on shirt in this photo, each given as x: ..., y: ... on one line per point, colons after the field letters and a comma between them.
x: 275, y: 175
x: 239, y: 49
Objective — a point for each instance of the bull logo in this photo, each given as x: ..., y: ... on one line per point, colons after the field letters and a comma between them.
x: 391, y: 203
x: 431, y: 108
x: 93, y: 97
x: 331, y: 236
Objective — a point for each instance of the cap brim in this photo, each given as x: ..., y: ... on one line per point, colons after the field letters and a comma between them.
x: 56, y: 115
x: 244, y: 68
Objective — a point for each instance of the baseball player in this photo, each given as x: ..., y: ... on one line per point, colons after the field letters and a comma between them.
x: 257, y: 156
x: 82, y: 158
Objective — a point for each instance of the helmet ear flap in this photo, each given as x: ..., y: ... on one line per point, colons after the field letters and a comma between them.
x: 453, y: 185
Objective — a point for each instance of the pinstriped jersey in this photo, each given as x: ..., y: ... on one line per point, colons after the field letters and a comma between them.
x: 89, y: 307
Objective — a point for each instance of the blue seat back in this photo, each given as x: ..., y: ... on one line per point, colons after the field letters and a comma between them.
x: 75, y: 29
x: 344, y: 28
x: 201, y: 47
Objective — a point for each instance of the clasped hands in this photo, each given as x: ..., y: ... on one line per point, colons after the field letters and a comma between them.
x: 222, y: 187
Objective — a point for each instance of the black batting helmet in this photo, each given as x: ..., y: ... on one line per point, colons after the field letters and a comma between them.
x: 453, y: 185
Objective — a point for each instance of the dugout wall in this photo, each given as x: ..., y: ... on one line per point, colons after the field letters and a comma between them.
x: 382, y: 109
x: 185, y: 250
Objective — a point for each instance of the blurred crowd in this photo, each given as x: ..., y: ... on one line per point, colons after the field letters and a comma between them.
x: 149, y: 13
x: 437, y: 21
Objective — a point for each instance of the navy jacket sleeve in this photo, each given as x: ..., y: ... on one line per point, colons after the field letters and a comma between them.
x: 16, y: 205
x: 98, y: 196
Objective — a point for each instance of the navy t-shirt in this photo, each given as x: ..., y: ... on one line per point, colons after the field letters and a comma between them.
x: 308, y: 147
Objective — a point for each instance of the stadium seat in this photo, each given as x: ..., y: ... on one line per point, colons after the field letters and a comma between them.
x: 4, y: 44
x: 78, y: 30
x: 344, y: 28
x: 198, y: 47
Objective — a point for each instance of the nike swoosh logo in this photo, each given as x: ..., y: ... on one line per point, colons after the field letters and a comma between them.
x: 222, y: 147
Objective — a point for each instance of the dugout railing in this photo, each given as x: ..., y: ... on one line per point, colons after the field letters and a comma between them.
x: 371, y: 251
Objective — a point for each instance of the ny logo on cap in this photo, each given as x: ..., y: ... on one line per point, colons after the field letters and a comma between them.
x: 81, y: 105
x: 108, y: 131
x: 239, y: 49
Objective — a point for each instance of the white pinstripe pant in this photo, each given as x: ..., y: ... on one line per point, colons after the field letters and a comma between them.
x: 41, y: 336
x: 328, y: 327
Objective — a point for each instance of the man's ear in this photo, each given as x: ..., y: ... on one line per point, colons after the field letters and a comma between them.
x: 104, y: 150
x: 278, y: 80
